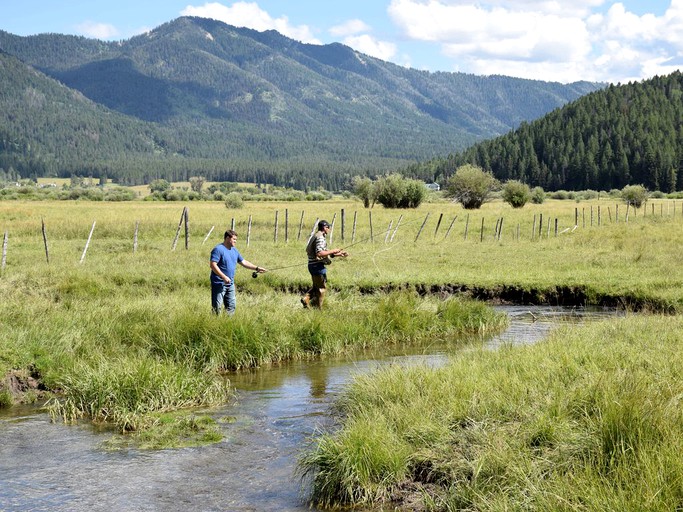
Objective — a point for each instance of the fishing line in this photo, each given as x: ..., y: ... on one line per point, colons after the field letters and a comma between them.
x: 255, y: 274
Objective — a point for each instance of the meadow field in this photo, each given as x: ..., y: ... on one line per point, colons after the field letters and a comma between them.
x: 123, y: 335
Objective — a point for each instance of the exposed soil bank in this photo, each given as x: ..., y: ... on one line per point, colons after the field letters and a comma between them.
x: 567, y: 296
x: 22, y: 386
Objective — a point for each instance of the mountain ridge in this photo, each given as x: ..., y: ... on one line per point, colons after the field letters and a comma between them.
x: 282, y: 106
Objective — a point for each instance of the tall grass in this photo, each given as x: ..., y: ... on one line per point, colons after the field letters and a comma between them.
x: 119, y: 346
x: 125, y: 392
x: 152, y: 307
x: 587, y: 420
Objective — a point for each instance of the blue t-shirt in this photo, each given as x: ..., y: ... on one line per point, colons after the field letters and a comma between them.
x: 227, y: 260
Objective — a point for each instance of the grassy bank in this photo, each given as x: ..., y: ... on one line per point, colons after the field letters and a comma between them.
x: 127, y: 347
x: 144, y: 317
x: 588, y: 420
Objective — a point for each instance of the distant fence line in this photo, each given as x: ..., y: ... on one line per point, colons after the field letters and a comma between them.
x: 593, y: 217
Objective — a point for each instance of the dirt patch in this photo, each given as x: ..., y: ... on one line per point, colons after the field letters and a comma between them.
x: 22, y: 385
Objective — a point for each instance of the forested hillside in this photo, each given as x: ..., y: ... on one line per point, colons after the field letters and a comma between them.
x: 624, y: 134
x: 199, y: 97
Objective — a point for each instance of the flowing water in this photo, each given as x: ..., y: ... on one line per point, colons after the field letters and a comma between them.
x: 53, y: 467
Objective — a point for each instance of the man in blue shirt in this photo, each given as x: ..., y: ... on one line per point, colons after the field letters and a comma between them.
x: 223, y: 263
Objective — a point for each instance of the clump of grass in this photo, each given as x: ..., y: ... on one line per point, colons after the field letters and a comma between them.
x: 128, y: 392
x: 589, y: 419
x: 353, y: 467
x: 6, y: 399
x: 178, y: 429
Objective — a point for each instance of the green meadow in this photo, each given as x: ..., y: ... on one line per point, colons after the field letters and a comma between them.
x: 119, y: 332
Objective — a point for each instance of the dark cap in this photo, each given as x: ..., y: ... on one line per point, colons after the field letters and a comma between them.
x: 323, y: 224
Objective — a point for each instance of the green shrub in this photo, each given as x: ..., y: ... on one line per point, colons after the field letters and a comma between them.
x: 516, y: 193
x: 233, y: 201
x: 471, y: 186
x: 635, y: 195
x: 537, y: 195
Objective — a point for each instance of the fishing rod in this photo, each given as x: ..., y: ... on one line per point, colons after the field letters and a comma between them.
x: 255, y: 274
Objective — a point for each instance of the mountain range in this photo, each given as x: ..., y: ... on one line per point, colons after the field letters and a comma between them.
x: 199, y: 97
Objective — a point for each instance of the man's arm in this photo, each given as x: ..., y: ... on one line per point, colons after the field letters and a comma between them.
x: 331, y: 252
x: 251, y: 266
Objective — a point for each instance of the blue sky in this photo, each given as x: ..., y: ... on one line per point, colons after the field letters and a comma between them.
x: 553, y: 40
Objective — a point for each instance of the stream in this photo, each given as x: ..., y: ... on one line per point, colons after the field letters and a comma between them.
x: 48, y: 466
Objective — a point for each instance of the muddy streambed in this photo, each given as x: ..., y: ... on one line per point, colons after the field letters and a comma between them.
x: 53, y: 467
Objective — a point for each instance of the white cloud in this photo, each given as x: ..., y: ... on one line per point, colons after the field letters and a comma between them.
x: 350, y: 27
x: 546, y: 39
x: 367, y: 44
x: 97, y: 30
x: 250, y: 15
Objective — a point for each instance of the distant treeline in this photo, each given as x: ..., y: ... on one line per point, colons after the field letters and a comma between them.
x: 624, y: 134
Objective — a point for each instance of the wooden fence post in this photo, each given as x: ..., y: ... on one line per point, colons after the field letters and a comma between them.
x: 208, y: 235
x: 286, y: 225
x: 467, y: 224
x: 450, y: 227
x: 85, y: 249
x: 422, y: 227
x: 438, y: 223
x: 386, y: 236
x: 248, y: 230
x: 398, y: 223
x: 540, y: 226
x: 47, y: 252
x: 276, y: 226
x: 500, y: 228
x: 481, y: 235
x: 177, y: 232
x: 533, y: 229
x: 5, y: 240
x: 135, y: 236
x: 353, y: 230
x: 334, y: 217
x: 187, y: 228
x: 371, y: 234
x: 301, y: 226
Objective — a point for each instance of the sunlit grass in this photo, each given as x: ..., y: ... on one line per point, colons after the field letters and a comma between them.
x: 119, y: 312
x: 587, y: 420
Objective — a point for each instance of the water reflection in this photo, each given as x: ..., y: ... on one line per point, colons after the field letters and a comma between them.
x: 52, y: 467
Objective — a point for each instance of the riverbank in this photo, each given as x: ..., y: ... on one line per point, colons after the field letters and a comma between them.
x: 104, y: 320
x: 136, y: 363
x: 589, y: 419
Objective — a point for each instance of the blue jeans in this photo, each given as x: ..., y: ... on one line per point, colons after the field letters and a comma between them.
x: 223, y: 296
